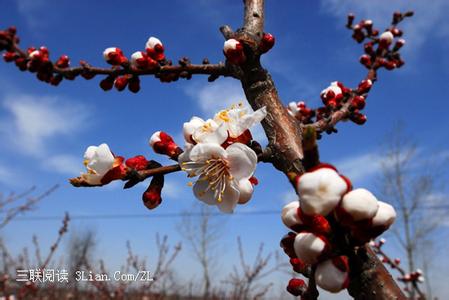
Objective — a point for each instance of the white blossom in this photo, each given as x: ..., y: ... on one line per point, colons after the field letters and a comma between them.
x: 223, y: 173
x: 98, y: 161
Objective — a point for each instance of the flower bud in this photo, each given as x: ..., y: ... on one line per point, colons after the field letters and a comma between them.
x: 357, y: 205
x: 296, y: 287
x: 386, y: 39
x: 358, y: 102
x: 107, y: 83
x: 152, y: 196
x: 320, y: 191
x: 399, y: 44
x: 114, y: 56
x: 63, y: 62
x: 163, y: 143
x: 365, y: 60
x: 138, y: 162
x: 9, y: 56
x: 121, y: 82
x: 364, y: 86
x: 155, y: 49
x: 358, y: 118
x: 266, y: 43
x: 233, y: 50
x: 287, y: 243
x: 290, y: 216
x: 384, y: 218
x: 134, y: 84
x: 332, y: 275
x: 310, y: 247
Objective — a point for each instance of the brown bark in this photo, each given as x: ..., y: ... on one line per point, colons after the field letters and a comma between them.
x: 369, y: 278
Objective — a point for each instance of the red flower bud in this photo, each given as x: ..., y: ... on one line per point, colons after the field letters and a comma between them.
x: 107, y: 83
x: 152, y: 196
x: 9, y: 56
x: 63, y: 62
x: 134, y: 84
x: 121, y: 82
x: 364, y: 86
x: 358, y: 102
x: 266, y: 43
x: 138, y: 162
x: 163, y: 143
x: 233, y: 50
x: 365, y: 60
x: 358, y: 118
x: 296, y: 287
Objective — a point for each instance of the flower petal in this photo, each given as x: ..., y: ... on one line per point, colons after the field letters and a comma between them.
x: 201, y: 191
x: 190, y: 127
x: 210, y: 132
x: 205, y: 151
x: 242, y: 161
x: 246, y: 191
x: 102, y: 160
x: 230, y: 198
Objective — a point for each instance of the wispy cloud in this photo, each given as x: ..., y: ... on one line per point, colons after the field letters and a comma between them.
x: 64, y: 164
x: 361, y: 167
x: 32, y: 122
x: 31, y: 12
x: 217, y: 96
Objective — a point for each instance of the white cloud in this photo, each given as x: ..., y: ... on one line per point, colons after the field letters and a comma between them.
x: 216, y: 96
x: 64, y: 164
x: 430, y: 17
x: 359, y: 168
x: 33, y: 121
x: 32, y: 10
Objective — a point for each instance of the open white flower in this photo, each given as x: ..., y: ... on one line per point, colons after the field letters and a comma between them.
x: 98, y: 161
x: 231, y: 122
x: 199, y: 131
x: 237, y: 119
x: 223, y: 173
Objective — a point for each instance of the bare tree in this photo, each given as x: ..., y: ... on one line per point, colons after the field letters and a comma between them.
x: 413, y: 185
x: 202, y: 234
x: 245, y: 280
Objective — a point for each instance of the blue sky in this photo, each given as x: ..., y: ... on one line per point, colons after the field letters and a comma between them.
x: 45, y: 130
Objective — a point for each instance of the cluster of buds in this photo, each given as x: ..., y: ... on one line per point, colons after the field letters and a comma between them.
x: 334, y: 95
x: 328, y: 208
x: 416, y: 276
x: 301, y: 112
x: 413, y: 277
x: 381, y: 50
x: 364, y: 29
